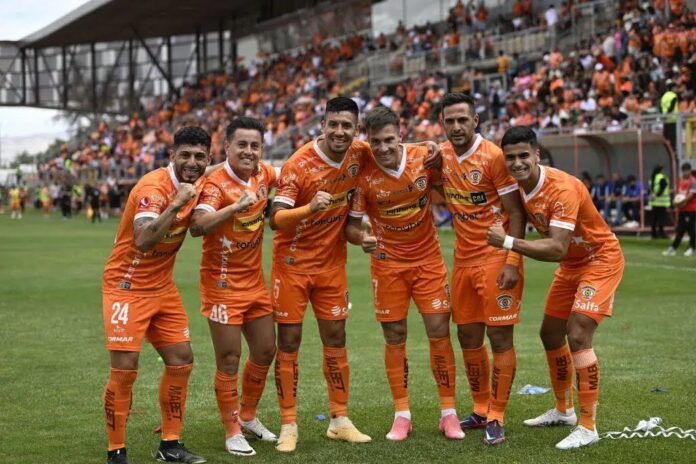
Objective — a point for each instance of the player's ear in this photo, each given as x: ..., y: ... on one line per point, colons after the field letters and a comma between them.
x: 172, y: 153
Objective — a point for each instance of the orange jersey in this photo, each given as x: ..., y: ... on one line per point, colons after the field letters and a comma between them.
x: 561, y: 200
x: 318, y: 242
x: 398, y: 204
x: 473, y: 184
x: 149, y: 272
x: 232, y: 253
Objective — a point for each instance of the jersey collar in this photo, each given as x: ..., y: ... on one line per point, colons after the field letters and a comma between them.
x: 477, y: 141
x: 540, y: 183
x: 234, y: 176
x: 172, y: 176
x: 402, y: 166
x: 325, y: 158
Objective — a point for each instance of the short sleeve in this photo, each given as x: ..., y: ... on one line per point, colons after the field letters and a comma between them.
x: 287, y: 185
x: 210, y: 198
x: 502, y: 180
x: 150, y: 200
x: 270, y: 173
x: 357, y: 202
x: 564, y: 209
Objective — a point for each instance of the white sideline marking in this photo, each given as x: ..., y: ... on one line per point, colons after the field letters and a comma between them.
x: 663, y: 266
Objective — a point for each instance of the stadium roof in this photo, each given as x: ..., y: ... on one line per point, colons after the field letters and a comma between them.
x: 115, y: 20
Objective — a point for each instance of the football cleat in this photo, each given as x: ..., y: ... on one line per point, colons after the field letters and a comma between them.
x: 474, y: 421
x: 238, y: 446
x: 553, y: 417
x: 495, y: 433
x: 400, y: 429
x: 669, y: 252
x: 177, y: 452
x: 287, y: 441
x: 689, y: 252
x: 580, y: 436
x: 449, y: 425
x: 117, y: 456
x: 343, y: 429
x: 258, y: 430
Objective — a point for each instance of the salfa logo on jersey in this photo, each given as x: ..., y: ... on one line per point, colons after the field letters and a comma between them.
x: 461, y: 197
x: 248, y: 223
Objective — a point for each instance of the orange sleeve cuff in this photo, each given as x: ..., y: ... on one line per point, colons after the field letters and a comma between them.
x: 289, y: 218
x: 513, y: 258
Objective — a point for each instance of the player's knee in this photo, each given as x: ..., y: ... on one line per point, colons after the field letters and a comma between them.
x: 551, y: 339
x: 468, y: 339
x: 500, y: 338
x: 265, y: 354
x: 289, y: 342
x: 229, y: 362
x: 579, y: 339
x: 394, y: 332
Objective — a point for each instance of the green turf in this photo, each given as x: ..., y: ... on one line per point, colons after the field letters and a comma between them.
x: 54, y: 364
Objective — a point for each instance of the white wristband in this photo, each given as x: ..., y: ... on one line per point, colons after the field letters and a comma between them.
x: 507, y: 243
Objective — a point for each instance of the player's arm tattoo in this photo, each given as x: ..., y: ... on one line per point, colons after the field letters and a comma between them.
x: 140, y: 222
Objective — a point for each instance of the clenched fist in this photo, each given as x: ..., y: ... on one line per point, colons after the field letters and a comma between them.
x: 320, y: 202
x: 369, y: 241
x: 186, y: 193
x: 247, y: 199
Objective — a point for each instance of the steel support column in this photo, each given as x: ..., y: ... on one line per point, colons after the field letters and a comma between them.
x: 65, y: 75
x: 93, y: 70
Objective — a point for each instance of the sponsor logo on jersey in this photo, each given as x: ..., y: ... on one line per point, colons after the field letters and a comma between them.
x: 174, y: 235
x: 461, y: 197
x: 120, y: 339
x: 507, y: 317
x: 421, y: 183
x: 404, y: 210
x: 248, y: 223
x: 338, y: 200
x: 475, y: 176
x: 504, y: 302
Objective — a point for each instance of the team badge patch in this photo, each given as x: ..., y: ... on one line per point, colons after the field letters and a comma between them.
x: 475, y: 176
x: 588, y: 292
x: 353, y: 170
x: 421, y: 183
x: 504, y: 302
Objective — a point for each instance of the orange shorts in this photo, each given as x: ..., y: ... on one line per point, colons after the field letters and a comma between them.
x: 290, y: 292
x: 232, y: 308
x: 589, y: 290
x: 477, y: 298
x: 393, y: 288
x: 129, y: 318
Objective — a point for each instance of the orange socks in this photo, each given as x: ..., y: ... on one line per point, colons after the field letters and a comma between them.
x: 286, y: 375
x: 117, y: 402
x: 477, y: 367
x: 587, y: 372
x: 337, y: 374
x: 504, y: 365
x: 560, y: 370
x: 253, y: 383
x: 228, y: 401
x: 443, y: 368
x: 172, y: 399
x: 396, y: 362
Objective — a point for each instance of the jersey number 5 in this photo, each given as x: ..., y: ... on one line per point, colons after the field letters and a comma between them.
x: 120, y: 313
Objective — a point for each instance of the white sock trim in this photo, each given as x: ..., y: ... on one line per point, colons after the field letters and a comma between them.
x: 447, y: 412
x: 404, y: 414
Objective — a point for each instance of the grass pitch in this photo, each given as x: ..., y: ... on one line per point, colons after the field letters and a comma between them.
x: 54, y: 364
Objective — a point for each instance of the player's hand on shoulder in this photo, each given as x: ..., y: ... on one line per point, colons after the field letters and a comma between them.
x: 508, y: 277
x: 496, y: 236
x: 186, y: 193
x: 434, y: 159
x: 320, y: 202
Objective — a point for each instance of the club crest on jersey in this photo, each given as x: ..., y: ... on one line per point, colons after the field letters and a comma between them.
x: 475, y: 176
x: 588, y: 292
x: 541, y: 219
x: 421, y: 183
x: 558, y: 209
x: 504, y: 302
x: 354, y: 170
x: 263, y: 191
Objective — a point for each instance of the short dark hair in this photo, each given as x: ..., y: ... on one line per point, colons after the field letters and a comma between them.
x: 191, y: 135
x: 519, y: 134
x: 454, y: 98
x: 686, y: 166
x: 243, y: 122
x: 338, y: 104
x: 380, y: 117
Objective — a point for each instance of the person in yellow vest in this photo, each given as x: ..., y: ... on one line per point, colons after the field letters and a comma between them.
x: 45, y: 198
x: 669, y: 103
x: 15, y: 203
x: 659, y: 201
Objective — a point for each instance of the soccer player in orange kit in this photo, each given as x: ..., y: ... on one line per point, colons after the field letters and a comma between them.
x: 394, y: 191
x: 582, y: 292
x: 140, y: 299
x: 234, y: 297
x: 309, y: 256
x: 486, y: 282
